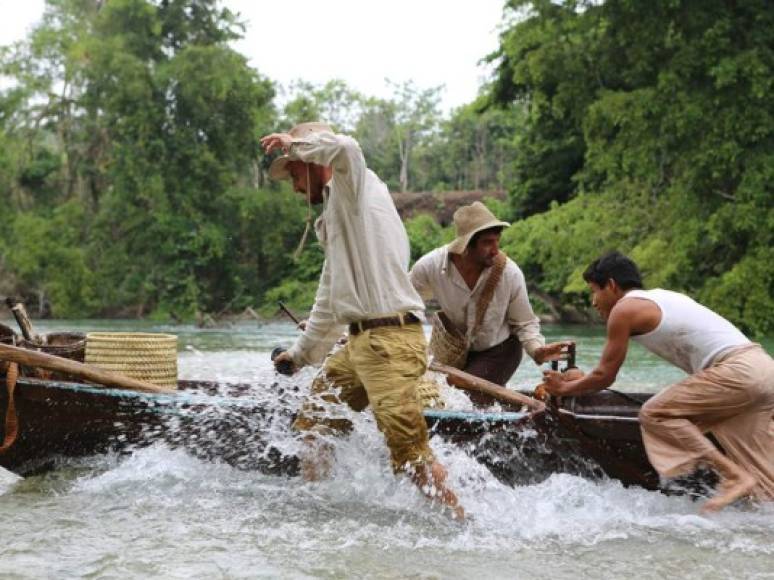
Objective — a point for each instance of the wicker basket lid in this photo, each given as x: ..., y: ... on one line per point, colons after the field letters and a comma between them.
x: 145, y: 356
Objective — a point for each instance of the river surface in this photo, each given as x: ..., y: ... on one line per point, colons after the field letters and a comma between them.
x: 162, y: 513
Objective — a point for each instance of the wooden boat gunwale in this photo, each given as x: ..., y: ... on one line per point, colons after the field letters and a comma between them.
x: 124, y: 406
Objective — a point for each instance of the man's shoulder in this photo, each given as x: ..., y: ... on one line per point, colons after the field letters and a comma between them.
x: 434, y: 259
x: 512, y: 273
x: 640, y: 315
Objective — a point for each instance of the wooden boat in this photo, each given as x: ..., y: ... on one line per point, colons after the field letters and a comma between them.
x: 595, y: 436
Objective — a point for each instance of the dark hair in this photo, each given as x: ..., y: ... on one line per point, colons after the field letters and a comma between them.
x: 477, y: 235
x: 614, y: 266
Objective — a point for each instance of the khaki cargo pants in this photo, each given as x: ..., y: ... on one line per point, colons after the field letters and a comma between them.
x: 381, y: 367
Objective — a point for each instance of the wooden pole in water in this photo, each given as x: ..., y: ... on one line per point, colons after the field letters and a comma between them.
x: 468, y: 382
x: 90, y: 373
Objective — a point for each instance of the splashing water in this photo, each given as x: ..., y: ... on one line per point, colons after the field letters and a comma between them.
x: 163, y: 510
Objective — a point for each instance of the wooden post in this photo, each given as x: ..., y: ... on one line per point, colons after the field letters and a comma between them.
x: 22, y: 319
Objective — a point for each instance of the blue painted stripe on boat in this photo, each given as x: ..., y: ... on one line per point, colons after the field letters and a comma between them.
x: 473, y: 416
x: 183, y: 398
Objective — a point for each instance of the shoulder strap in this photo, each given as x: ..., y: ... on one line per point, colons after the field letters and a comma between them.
x: 489, y: 289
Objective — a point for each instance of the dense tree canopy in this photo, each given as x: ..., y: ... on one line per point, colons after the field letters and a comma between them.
x: 661, y: 121
x: 133, y: 184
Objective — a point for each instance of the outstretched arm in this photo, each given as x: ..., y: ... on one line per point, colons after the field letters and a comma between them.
x: 613, y: 356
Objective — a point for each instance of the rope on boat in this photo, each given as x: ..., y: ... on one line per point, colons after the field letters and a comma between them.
x: 11, y: 419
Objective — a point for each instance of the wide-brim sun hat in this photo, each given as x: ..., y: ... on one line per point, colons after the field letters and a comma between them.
x: 278, y: 169
x: 468, y: 221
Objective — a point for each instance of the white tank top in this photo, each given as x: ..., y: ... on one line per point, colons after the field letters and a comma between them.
x: 689, y: 335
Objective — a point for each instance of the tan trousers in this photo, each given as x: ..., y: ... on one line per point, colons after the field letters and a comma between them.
x: 734, y: 400
x: 381, y: 367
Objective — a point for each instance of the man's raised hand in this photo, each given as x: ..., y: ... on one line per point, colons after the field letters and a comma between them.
x: 276, y: 141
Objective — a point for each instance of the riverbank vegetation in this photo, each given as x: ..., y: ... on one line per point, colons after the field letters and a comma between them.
x: 132, y: 182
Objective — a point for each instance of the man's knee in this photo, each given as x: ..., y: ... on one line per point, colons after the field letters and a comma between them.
x: 651, y: 413
x: 405, y: 432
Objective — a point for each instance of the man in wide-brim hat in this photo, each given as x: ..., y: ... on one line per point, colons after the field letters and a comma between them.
x: 364, y: 286
x: 470, y: 278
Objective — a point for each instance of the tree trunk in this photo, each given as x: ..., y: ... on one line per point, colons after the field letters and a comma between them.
x: 405, y: 152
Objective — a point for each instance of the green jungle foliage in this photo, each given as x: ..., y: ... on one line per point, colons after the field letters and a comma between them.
x: 133, y: 183
x: 655, y: 120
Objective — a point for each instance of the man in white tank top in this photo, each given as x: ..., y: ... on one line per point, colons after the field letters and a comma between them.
x: 729, y: 391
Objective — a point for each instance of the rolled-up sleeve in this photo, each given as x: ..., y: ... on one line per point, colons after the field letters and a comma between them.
x: 321, y: 332
x: 521, y: 317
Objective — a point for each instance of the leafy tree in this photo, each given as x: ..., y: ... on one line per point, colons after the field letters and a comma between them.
x: 656, y: 122
x: 416, y: 115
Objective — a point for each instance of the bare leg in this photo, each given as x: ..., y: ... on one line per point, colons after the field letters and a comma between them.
x: 316, y: 459
x: 431, y: 480
x: 735, y: 482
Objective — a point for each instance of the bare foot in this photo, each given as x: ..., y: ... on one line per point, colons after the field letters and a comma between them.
x: 431, y: 480
x: 316, y: 459
x: 458, y: 513
x: 730, y: 490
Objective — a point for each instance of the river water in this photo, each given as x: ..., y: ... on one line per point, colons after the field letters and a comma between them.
x: 160, y: 512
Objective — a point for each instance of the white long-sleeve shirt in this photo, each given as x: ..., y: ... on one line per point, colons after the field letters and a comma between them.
x: 365, y: 273
x: 509, y: 312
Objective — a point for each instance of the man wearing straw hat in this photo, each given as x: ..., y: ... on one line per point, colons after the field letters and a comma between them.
x: 364, y: 285
x: 483, y: 297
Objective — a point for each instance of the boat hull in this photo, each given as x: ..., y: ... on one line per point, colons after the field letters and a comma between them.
x: 593, y: 436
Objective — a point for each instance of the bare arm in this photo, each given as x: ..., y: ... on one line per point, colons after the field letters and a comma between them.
x: 613, y: 355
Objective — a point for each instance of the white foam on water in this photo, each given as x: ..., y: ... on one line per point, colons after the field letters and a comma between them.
x: 8, y: 481
x: 160, y: 512
x: 563, y: 510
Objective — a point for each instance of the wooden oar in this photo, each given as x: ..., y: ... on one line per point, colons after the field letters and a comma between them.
x: 90, y: 373
x: 468, y: 382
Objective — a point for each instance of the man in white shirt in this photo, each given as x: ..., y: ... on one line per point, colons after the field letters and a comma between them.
x: 364, y: 284
x: 456, y: 275
x: 729, y: 391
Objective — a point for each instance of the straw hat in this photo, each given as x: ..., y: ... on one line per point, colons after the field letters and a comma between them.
x: 278, y: 169
x: 469, y: 220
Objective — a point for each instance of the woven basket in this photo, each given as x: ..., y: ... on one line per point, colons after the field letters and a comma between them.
x: 140, y: 355
x: 447, y: 344
x: 70, y: 345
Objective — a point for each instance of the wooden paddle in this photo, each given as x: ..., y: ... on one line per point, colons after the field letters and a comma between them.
x: 90, y: 373
x: 472, y: 383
